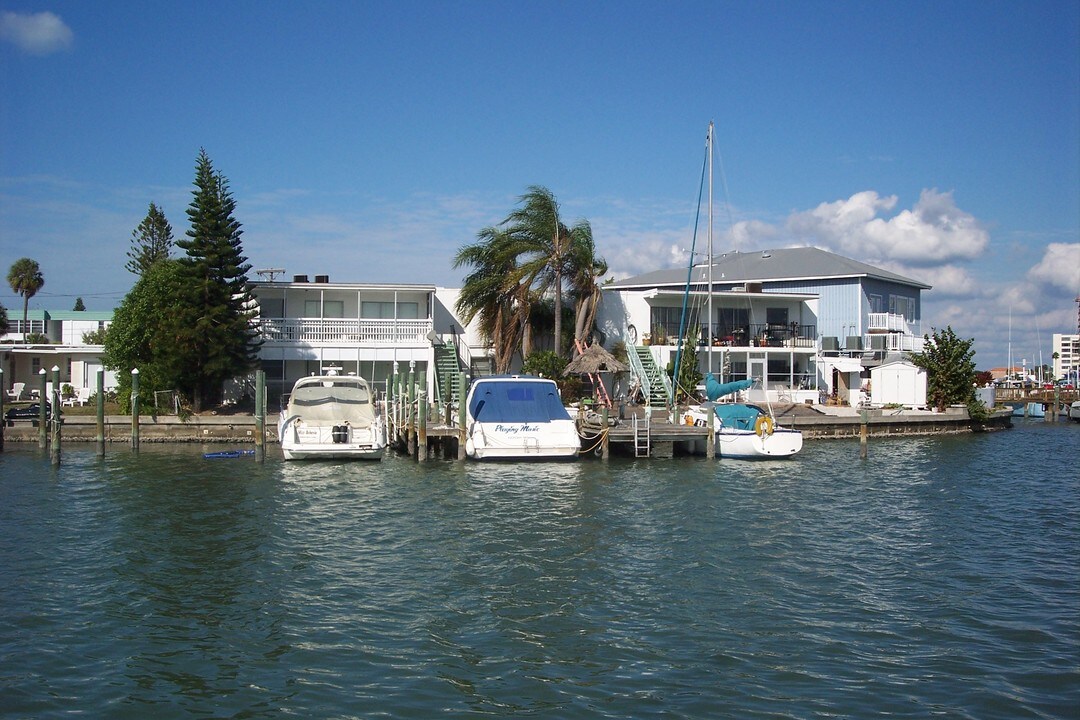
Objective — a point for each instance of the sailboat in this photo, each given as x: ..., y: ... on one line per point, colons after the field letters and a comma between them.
x: 743, y: 430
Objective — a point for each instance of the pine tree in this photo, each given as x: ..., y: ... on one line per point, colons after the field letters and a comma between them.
x: 151, y: 241
x: 220, y: 342
x: 79, y: 305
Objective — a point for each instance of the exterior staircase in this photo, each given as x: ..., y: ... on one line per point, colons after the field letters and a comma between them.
x: 448, y: 371
x: 654, y: 379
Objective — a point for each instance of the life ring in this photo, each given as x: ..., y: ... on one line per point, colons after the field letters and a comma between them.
x: 763, y: 426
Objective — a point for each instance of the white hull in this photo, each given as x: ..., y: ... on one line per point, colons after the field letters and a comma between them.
x: 313, y: 443
x: 1074, y: 411
x: 555, y: 440
x: 746, y: 444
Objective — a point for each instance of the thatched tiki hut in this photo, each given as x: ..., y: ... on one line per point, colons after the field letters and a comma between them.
x: 593, y: 361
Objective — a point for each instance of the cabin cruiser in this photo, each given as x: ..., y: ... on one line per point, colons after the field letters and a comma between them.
x: 331, y: 416
x: 518, y: 417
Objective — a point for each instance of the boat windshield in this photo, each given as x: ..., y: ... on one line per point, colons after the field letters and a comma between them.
x: 517, y: 401
x: 344, y: 392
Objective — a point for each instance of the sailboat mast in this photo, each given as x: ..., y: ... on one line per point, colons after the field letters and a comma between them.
x: 709, y: 254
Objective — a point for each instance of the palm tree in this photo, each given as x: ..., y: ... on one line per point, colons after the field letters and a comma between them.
x: 25, y: 279
x: 587, y: 269
x: 488, y: 293
x: 545, y: 247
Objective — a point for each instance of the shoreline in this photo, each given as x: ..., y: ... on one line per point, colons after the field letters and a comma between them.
x: 817, y: 422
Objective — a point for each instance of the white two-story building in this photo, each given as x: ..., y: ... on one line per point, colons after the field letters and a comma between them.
x: 309, y: 324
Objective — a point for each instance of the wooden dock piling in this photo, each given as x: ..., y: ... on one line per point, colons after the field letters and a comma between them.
x: 54, y: 421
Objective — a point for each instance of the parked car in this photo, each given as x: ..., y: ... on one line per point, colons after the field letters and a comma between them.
x: 28, y: 412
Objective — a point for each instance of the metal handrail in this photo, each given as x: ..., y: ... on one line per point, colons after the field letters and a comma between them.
x: 639, y: 370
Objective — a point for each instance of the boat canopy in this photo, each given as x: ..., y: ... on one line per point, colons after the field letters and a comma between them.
x: 512, y: 400
x: 714, y: 389
x: 738, y: 415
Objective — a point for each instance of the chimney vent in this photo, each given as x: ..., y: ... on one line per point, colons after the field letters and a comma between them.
x: 299, y: 278
x: 322, y: 278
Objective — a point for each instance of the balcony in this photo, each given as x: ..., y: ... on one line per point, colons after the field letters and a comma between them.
x: 321, y: 331
x: 889, y: 322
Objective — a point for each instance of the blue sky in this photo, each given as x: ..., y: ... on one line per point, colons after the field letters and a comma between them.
x: 369, y: 141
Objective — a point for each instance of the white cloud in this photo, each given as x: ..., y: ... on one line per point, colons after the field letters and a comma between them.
x: 948, y: 280
x: 1060, y: 266
x: 933, y: 231
x: 37, y: 34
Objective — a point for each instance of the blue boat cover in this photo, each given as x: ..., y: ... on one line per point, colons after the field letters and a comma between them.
x: 509, y: 400
x: 738, y: 415
x: 714, y: 389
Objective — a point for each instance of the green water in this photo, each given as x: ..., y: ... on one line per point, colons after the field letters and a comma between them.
x: 939, y: 578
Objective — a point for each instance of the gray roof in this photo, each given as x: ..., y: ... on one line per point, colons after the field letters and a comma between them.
x: 783, y: 265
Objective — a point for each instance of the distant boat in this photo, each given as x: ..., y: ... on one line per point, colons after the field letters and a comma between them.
x: 1031, y: 410
x: 744, y: 430
x: 518, y: 417
x: 331, y: 416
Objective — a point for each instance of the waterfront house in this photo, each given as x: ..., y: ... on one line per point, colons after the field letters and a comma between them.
x: 64, y: 348
x: 807, y: 322
x: 372, y: 329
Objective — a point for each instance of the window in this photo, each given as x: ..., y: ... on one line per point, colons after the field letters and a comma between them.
x: 374, y: 310
x: 877, y: 304
x: 900, y: 305
x: 325, y: 309
x: 776, y: 315
x: 272, y: 307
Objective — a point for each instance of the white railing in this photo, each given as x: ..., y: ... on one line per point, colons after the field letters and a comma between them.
x: 889, y: 322
x: 364, y: 332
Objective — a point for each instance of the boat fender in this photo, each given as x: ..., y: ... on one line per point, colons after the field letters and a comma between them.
x: 763, y: 426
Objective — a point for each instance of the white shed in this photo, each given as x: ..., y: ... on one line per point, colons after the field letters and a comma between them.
x: 898, y: 383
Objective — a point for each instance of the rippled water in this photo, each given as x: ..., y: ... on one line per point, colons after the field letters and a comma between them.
x: 937, y: 579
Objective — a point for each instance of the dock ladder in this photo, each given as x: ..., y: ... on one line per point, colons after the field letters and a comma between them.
x: 642, y: 436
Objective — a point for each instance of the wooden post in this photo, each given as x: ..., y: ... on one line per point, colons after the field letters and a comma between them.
x: 461, y: 419
x: 43, y: 397
x: 388, y: 406
x: 710, y: 437
x: 605, y: 444
x: 100, y: 411
x: 135, y: 409
x: 410, y: 423
x: 421, y: 433
x: 260, y: 416
x: 863, y: 435
x: 54, y: 422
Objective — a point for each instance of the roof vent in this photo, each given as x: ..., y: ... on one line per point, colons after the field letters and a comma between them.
x: 299, y: 278
x: 322, y: 278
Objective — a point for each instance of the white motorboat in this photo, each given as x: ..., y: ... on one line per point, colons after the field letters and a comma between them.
x: 743, y: 430
x: 1074, y: 410
x: 518, y: 417
x: 331, y: 416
